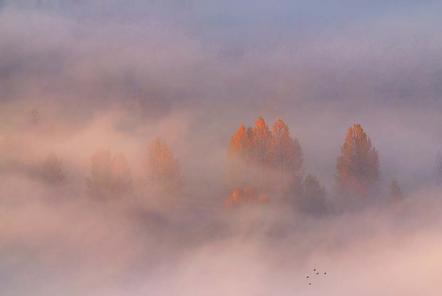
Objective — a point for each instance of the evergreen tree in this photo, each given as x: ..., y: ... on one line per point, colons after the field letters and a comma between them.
x: 51, y: 170
x: 312, y: 200
x: 266, y: 160
x: 274, y: 149
x: 240, y: 143
x: 358, y: 164
x: 261, y: 142
x: 164, y: 170
x: 395, y: 191
x: 286, y: 154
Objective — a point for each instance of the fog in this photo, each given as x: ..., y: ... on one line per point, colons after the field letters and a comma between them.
x: 77, y: 77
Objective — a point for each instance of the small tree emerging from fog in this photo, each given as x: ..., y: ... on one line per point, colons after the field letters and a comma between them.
x: 395, y: 191
x: 312, y: 200
x: 51, y: 170
x: 110, y: 175
x: 163, y: 168
x: 358, y: 164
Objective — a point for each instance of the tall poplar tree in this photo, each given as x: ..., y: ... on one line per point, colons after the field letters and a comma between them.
x: 163, y: 168
x: 357, y: 168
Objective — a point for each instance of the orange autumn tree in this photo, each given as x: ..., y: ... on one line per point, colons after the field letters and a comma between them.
x: 260, y: 142
x: 163, y: 169
x: 285, y: 152
x: 245, y: 195
x: 257, y: 151
x: 241, y: 142
x: 358, y: 164
x: 272, y: 149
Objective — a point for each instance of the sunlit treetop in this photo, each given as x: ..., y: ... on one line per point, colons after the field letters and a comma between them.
x: 358, y: 164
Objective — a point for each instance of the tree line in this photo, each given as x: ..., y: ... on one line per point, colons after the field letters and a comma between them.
x: 110, y: 175
x: 265, y: 165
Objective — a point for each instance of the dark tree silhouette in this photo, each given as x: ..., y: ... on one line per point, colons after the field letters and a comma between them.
x: 395, y: 192
x: 312, y: 200
x: 51, y: 170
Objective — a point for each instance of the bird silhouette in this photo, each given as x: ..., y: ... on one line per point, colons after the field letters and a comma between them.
x: 315, y: 272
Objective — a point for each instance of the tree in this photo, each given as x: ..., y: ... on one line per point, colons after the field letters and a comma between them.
x: 110, y: 175
x: 163, y: 168
x: 264, y: 159
x: 358, y: 164
x: 313, y: 196
x: 286, y: 154
x: 240, y: 143
x: 274, y: 149
x: 395, y: 191
x: 246, y: 195
x: 261, y: 138
x: 51, y: 170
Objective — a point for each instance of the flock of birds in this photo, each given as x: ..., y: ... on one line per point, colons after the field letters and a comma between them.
x: 315, y: 273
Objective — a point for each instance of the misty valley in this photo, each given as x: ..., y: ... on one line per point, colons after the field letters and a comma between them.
x: 208, y: 148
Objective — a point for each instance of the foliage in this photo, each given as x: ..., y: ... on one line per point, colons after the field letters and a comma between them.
x: 358, y: 164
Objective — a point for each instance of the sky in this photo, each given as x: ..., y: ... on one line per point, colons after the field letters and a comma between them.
x: 312, y: 63
x: 77, y: 76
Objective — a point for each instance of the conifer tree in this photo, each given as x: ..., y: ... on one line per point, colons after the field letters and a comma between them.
x: 395, y: 191
x: 285, y: 152
x: 258, y: 153
x: 164, y: 170
x: 51, y: 170
x: 261, y: 142
x: 358, y: 164
x: 312, y: 200
x: 240, y: 143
